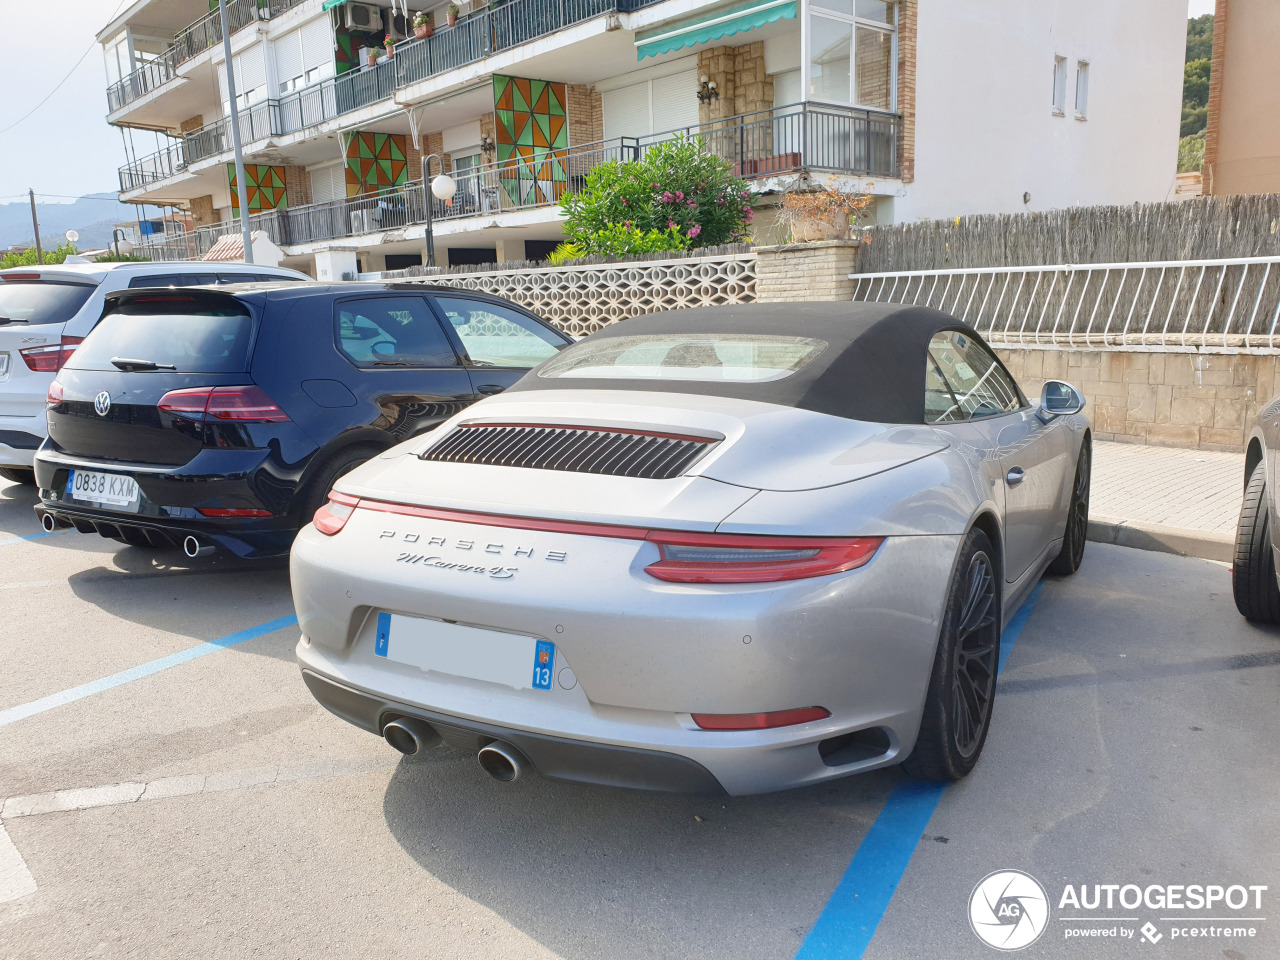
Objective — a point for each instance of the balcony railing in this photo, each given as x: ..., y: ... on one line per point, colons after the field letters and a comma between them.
x: 257, y: 122
x: 190, y: 41
x: 770, y: 143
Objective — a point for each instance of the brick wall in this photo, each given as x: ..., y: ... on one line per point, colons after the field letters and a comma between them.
x: 191, y: 124
x: 586, y: 114
x: 907, y: 16
x: 1217, y: 69
x: 805, y: 271
x: 1205, y: 401
x: 297, y: 185
x: 489, y: 134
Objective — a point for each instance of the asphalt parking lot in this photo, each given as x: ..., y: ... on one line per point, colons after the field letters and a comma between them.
x: 204, y: 806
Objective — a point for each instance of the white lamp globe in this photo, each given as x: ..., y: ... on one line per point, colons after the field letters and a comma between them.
x: 444, y: 187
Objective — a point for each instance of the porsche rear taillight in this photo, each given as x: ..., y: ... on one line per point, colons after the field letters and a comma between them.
x: 51, y: 358
x: 735, y: 558
x: 333, y: 516
x: 247, y: 404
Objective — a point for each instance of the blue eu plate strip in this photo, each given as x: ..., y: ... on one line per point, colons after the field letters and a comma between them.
x: 848, y: 922
x: 22, y: 711
x: 383, y: 637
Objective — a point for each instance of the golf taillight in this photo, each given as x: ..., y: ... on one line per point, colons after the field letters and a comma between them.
x: 734, y: 558
x: 333, y: 516
x: 54, y: 396
x: 247, y: 404
x: 759, y: 721
x: 232, y: 512
x: 52, y: 357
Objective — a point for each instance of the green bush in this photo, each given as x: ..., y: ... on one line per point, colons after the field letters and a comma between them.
x: 675, y: 197
x: 28, y: 257
x: 1190, y: 153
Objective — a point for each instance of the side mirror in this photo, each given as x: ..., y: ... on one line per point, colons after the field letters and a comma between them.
x: 1059, y: 399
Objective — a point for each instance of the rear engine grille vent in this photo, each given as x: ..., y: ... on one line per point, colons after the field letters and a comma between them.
x: 618, y: 453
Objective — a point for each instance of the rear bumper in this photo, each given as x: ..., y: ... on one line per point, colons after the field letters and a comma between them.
x: 642, y: 655
x: 20, y: 437
x: 556, y: 757
x: 170, y: 499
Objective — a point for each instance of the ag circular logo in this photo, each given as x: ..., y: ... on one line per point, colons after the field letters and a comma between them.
x: 102, y: 403
x: 1008, y: 910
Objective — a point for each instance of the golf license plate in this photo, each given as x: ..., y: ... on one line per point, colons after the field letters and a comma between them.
x: 108, y: 489
x: 511, y: 659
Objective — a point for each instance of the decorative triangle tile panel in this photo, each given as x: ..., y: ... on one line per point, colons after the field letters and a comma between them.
x: 376, y: 162
x: 530, y: 124
x: 264, y: 188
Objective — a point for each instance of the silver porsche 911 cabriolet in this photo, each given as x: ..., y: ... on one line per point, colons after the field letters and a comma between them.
x: 732, y: 549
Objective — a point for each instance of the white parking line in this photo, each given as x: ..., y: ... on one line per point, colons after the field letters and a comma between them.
x: 15, y: 879
x: 114, y: 794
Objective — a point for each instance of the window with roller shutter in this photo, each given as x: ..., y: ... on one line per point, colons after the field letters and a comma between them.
x: 651, y: 106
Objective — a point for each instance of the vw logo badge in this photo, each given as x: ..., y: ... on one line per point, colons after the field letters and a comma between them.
x: 102, y: 403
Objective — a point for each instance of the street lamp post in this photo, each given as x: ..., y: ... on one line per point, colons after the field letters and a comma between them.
x: 242, y: 187
x: 443, y: 188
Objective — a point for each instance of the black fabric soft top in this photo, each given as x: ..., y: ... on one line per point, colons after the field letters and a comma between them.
x: 872, y: 369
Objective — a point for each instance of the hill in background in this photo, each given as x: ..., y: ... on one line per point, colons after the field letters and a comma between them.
x: 91, y: 216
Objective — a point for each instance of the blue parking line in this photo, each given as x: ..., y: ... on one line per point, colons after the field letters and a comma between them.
x: 846, y: 925
x: 22, y: 711
x: 35, y: 536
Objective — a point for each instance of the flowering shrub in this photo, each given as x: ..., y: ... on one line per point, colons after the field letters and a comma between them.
x: 675, y: 195
x: 622, y: 240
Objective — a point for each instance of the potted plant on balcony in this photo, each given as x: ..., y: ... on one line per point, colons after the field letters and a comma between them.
x: 390, y: 43
x: 822, y: 214
x: 424, y: 24
x: 451, y: 14
x: 369, y: 56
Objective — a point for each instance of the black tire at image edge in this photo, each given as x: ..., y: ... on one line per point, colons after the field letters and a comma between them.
x: 1253, y: 572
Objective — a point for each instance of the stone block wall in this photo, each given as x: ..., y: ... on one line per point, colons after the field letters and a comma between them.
x: 805, y: 271
x: 740, y: 79
x: 297, y: 185
x: 1204, y: 401
x: 202, y: 211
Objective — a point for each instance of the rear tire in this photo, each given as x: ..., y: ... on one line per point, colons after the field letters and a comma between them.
x: 330, y: 473
x: 1070, y: 556
x: 1253, y: 574
x: 25, y: 475
x: 962, y: 686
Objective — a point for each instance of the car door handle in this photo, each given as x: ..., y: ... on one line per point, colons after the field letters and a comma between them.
x: 1015, y: 476
x: 489, y: 389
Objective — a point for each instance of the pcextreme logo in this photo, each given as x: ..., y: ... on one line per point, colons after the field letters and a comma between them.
x: 1008, y: 910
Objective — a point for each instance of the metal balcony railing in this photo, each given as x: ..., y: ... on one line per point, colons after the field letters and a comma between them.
x: 257, y: 122
x: 760, y: 145
x: 190, y: 41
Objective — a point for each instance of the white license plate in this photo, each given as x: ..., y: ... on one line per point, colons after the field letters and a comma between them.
x: 513, y: 660
x: 110, y: 489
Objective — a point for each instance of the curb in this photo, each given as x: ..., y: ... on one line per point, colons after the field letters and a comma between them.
x: 1150, y: 536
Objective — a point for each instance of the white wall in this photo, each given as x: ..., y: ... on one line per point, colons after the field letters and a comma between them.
x: 985, y: 131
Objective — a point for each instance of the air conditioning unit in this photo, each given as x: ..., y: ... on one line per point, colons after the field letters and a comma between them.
x: 362, y: 16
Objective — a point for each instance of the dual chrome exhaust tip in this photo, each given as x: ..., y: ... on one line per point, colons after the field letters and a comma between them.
x: 412, y: 736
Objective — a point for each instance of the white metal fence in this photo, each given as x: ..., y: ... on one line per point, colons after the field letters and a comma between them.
x: 1227, y: 305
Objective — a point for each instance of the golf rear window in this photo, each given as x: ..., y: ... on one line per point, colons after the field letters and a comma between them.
x: 34, y: 301
x: 736, y: 358
x: 206, y: 339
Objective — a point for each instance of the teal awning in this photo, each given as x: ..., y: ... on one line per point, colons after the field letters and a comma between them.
x: 330, y: 4
x: 712, y: 26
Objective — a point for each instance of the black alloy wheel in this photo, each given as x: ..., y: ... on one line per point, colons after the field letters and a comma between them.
x: 1071, y: 555
x: 962, y: 683
x: 977, y: 648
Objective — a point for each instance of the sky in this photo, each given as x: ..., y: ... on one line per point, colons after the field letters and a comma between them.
x: 66, y: 147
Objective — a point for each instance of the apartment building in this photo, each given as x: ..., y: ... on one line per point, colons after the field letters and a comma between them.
x: 936, y: 107
x: 1242, y: 140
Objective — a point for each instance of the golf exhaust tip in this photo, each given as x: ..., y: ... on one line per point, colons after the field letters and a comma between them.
x: 194, y: 548
x: 48, y: 523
